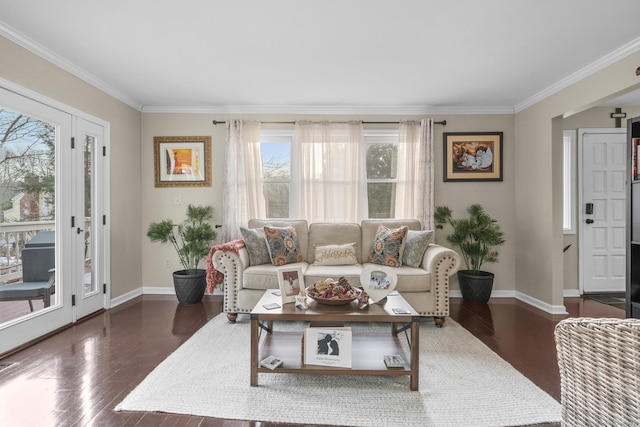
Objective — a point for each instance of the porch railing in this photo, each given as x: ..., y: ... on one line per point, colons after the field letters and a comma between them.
x: 13, y: 236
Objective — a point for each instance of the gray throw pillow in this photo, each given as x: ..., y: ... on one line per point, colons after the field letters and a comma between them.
x: 256, y: 244
x: 417, y: 242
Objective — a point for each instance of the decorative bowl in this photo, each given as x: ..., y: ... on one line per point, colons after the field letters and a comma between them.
x: 334, y: 301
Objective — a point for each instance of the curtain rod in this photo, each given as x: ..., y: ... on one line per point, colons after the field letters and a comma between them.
x: 443, y: 123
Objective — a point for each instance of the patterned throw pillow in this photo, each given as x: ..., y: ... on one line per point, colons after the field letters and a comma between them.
x: 256, y: 244
x: 417, y: 242
x: 283, y: 246
x: 336, y: 254
x: 388, y: 246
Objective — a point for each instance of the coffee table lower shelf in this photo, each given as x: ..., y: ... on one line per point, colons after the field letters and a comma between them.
x: 367, y: 351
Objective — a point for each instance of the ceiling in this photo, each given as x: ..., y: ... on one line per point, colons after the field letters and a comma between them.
x: 357, y: 56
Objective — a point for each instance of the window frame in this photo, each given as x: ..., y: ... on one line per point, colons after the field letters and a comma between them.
x: 569, y: 160
x: 371, y: 137
x: 279, y: 136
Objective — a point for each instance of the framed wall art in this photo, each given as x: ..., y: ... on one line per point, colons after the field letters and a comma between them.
x: 182, y: 161
x: 472, y: 156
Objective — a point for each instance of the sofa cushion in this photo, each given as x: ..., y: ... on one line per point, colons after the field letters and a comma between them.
x: 256, y: 244
x: 388, y: 246
x: 300, y: 225
x: 417, y: 242
x: 283, y: 246
x: 410, y: 279
x: 264, y: 276
x: 336, y: 255
x: 323, y: 234
x: 315, y: 273
x: 369, y: 228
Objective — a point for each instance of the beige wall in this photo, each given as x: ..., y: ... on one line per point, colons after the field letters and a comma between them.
x: 540, y: 261
x: 496, y: 197
x: 32, y: 72
x: 526, y: 203
x: 160, y: 203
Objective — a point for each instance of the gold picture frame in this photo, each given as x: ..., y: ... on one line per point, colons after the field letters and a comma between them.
x: 182, y: 161
x: 472, y: 156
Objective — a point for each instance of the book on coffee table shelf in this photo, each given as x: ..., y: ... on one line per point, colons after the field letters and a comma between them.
x: 271, y: 362
x: 327, y: 347
x: 394, y: 361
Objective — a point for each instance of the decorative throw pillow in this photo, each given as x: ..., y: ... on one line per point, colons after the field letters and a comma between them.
x: 256, y: 244
x: 417, y: 242
x: 336, y: 254
x: 388, y: 246
x: 283, y: 246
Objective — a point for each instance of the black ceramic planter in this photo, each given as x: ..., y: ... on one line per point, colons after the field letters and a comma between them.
x: 475, y: 288
x: 190, y: 287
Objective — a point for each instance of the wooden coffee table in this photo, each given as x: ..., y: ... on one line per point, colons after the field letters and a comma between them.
x: 368, y: 349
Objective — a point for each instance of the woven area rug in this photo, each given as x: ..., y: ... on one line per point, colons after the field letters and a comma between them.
x: 462, y: 383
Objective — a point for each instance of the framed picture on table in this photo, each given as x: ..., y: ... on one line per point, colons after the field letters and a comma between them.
x: 291, y: 281
x: 182, y: 161
x: 472, y: 156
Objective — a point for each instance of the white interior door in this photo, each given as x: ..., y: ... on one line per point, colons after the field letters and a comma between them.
x: 602, y: 210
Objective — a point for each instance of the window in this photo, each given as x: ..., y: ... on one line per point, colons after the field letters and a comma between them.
x: 381, y: 151
x: 275, y: 152
x: 569, y: 167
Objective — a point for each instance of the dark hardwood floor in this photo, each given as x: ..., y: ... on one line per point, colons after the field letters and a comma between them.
x: 77, y: 377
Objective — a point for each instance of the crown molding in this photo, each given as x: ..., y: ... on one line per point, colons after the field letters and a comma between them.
x: 613, y: 57
x: 43, y: 52
x: 328, y: 110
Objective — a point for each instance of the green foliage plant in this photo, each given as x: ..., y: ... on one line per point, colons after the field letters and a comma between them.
x: 476, y: 236
x: 191, y: 239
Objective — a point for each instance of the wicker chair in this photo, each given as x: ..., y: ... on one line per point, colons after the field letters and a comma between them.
x: 599, y: 361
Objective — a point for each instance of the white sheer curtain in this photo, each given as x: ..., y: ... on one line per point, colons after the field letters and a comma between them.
x: 242, y: 196
x: 329, y: 168
x: 414, y: 189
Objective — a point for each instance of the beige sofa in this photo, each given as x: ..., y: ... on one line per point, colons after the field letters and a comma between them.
x: 426, y: 288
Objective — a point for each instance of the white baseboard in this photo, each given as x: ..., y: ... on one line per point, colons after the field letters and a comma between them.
x: 494, y: 294
x: 572, y: 293
x: 149, y: 290
x: 126, y: 297
x: 552, y: 309
x: 158, y: 290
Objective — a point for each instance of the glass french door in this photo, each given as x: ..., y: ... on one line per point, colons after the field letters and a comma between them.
x: 51, y: 243
x: 89, y: 221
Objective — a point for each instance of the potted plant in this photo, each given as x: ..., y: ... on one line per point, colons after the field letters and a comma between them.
x: 192, y: 240
x: 476, y: 236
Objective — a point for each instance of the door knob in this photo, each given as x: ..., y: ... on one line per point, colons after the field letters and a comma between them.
x: 589, y: 221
